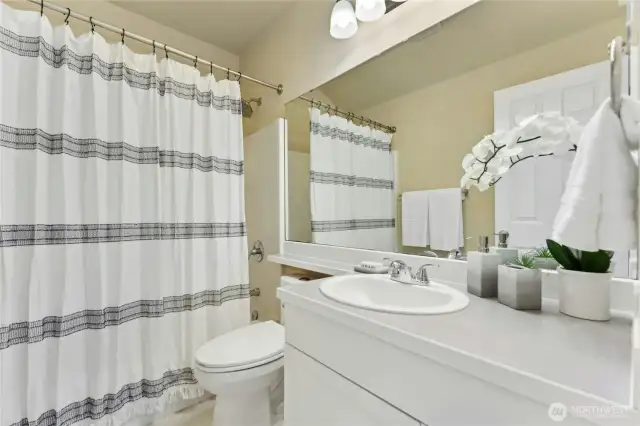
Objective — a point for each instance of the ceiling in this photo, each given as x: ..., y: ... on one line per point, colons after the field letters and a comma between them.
x: 228, y: 24
x: 484, y: 33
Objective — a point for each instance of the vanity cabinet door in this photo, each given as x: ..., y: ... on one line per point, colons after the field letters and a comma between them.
x: 317, y: 396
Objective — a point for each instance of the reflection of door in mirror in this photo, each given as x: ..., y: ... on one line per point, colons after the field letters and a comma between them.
x: 528, y: 197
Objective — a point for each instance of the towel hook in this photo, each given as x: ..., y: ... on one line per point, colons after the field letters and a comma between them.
x: 615, y: 60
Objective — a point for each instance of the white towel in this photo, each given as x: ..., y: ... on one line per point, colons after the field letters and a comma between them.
x: 598, y: 208
x: 445, y: 219
x: 415, y: 219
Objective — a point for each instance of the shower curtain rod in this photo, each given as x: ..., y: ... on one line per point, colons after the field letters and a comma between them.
x: 348, y: 115
x: 95, y: 23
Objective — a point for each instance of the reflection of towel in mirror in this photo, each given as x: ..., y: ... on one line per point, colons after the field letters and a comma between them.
x: 445, y: 219
x: 598, y: 207
x: 415, y: 218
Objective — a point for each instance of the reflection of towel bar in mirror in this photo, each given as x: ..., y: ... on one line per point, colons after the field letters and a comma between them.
x: 463, y: 192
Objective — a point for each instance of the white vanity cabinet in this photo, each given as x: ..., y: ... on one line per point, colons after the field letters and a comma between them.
x: 336, y: 374
x: 318, y: 396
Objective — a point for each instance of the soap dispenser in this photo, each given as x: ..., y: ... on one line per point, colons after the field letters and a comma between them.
x: 482, y: 270
x: 506, y: 253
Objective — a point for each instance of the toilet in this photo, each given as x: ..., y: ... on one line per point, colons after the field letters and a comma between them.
x: 239, y: 367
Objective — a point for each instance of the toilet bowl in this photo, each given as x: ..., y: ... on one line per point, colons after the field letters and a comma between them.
x: 238, y: 367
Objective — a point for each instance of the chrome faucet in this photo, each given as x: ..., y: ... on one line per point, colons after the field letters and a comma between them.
x: 400, y: 272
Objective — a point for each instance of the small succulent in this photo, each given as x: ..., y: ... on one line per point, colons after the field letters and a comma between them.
x: 523, y: 261
x: 597, y: 262
x: 542, y: 252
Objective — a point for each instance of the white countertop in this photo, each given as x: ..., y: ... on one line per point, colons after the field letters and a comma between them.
x: 589, y: 357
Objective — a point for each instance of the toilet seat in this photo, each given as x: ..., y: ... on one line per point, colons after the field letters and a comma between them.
x: 247, y: 347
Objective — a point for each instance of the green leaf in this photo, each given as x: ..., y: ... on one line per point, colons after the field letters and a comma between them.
x: 564, y: 256
x: 542, y: 252
x: 595, y: 261
x: 524, y: 261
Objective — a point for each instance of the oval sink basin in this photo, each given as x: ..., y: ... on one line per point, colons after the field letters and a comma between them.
x: 379, y: 293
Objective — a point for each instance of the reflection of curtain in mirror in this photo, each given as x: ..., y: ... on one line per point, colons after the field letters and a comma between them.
x: 352, y: 184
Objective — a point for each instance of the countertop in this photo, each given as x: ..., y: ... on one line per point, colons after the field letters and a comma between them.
x: 590, y: 357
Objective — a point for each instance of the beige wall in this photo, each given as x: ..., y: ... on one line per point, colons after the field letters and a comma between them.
x: 439, y: 124
x: 114, y: 15
x: 297, y: 51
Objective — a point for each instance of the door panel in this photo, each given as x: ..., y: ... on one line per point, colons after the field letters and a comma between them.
x: 317, y: 396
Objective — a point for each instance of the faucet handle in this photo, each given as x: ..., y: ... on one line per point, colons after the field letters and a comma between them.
x: 422, y: 277
x: 396, y: 267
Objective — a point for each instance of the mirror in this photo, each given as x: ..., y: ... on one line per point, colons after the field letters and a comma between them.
x: 352, y: 182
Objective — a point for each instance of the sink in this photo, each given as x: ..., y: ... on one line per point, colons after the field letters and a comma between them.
x: 379, y: 293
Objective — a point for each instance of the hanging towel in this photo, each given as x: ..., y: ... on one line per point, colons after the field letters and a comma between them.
x: 598, y: 207
x: 445, y: 219
x: 415, y: 218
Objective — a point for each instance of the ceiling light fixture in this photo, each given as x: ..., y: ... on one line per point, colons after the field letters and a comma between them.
x: 370, y: 10
x: 343, y: 20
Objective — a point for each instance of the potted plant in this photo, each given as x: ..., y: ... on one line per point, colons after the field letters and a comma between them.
x: 585, y: 281
x: 520, y: 284
x: 544, y: 259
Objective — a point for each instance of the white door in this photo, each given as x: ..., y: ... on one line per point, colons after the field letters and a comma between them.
x: 263, y: 157
x: 528, y: 196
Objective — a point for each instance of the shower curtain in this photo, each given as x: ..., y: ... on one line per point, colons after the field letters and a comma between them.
x: 353, y: 201
x: 122, y: 226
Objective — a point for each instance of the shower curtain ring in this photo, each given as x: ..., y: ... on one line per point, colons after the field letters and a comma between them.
x: 211, y: 64
x: 195, y: 62
x: 123, y: 36
x: 93, y: 26
x: 41, y: 7
x: 66, y: 19
x: 239, y: 76
x: 154, y: 46
x: 166, y: 53
x: 227, y: 73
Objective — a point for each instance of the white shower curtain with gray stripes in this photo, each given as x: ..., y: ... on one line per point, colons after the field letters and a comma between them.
x: 353, y: 198
x: 122, y: 225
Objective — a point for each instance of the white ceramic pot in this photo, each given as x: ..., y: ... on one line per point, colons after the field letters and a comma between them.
x: 519, y: 288
x: 546, y: 263
x: 585, y: 294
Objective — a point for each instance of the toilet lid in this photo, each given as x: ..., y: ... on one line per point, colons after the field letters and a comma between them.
x: 247, y: 345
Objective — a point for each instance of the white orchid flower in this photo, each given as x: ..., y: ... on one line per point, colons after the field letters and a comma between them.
x: 547, y: 133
